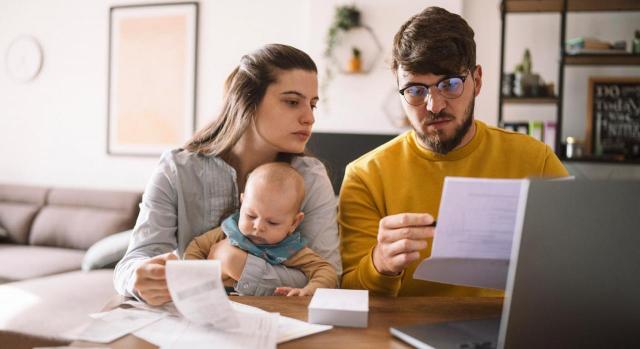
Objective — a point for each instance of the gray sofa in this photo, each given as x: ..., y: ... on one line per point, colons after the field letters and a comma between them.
x: 57, y: 248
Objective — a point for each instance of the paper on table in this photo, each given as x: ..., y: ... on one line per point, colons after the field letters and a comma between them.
x: 163, y: 332
x: 197, y: 291
x: 167, y: 331
x: 257, y: 330
x: 288, y: 328
x: 116, y: 323
x: 476, y: 224
x: 167, y: 308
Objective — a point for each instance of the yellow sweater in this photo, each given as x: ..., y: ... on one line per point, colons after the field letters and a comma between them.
x: 401, y: 176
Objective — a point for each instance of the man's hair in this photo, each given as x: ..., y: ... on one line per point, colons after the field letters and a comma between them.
x: 435, y: 41
x: 280, y: 176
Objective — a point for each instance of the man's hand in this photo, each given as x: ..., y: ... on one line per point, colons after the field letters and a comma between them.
x: 401, y: 237
x: 290, y: 291
x: 232, y: 259
x: 151, y: 283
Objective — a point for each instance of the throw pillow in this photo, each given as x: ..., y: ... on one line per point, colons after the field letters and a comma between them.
x: 107, y: 252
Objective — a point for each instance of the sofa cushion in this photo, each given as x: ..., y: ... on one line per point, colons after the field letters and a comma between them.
x: 20, y: 262
x: 17, y: 219
x: 107, y: 252
x: 19, y: 205
x: 23, y: 193
x: 50, y: 307
x: 78, y: 218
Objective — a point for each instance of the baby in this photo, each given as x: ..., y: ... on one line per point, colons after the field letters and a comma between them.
x: 266, y: 227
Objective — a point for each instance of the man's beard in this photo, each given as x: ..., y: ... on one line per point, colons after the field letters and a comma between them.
x: 440, y: 146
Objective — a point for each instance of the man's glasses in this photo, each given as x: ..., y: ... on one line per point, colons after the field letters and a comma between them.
x: 448, y: 87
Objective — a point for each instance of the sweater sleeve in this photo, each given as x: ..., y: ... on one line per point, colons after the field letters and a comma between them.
x: 358, y: 219
x: 156, y: 226
x: 200, y: 246
x: 319, y: 272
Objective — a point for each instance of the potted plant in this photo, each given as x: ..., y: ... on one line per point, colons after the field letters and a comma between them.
x: 344, y: 19
x: 355, y: 63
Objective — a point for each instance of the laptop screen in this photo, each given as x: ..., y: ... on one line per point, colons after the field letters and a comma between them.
x: 574, y: 279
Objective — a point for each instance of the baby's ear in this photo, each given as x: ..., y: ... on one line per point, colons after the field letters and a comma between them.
x: 297, y: 220
x: 241, y: 197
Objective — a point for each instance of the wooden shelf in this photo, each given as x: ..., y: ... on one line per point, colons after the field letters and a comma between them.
x: 562, y: 10
x: 572, y: 5
x: 529, y: 100
x: 603, y: 59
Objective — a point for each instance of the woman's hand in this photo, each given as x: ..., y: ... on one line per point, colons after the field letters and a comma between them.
x: 232, y: 259
x: 401, y: 237
x: 151, y: 283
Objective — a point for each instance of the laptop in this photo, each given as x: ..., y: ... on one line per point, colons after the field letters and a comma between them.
x: 574, y: 276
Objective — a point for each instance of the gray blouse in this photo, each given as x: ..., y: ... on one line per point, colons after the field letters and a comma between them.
x: 187, y: 195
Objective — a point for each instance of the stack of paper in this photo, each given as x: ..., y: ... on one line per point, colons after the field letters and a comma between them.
x: 201, y: 316
x: 339, y: 307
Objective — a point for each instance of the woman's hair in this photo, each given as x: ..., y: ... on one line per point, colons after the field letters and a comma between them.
x: 244, y: 89
x: 434, y: 41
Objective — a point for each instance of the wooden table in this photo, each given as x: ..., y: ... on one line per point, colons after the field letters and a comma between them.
x: 383, y: 313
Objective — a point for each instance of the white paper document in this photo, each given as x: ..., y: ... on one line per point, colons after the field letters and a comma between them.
x: 256, y: 331
x: 201, y: 316
x: 167, y: 308
x: 476, y: 224
x: 109, y: 326
x: 168, y: 332
x: 288, y: 328
x: 198, y: 293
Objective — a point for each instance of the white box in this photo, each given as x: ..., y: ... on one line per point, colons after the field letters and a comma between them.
x: 337, y: 307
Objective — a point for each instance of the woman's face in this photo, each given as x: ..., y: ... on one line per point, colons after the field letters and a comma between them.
x: 285, y: 116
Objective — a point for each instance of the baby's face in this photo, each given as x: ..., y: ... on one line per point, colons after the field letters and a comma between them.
x: 267, y: 216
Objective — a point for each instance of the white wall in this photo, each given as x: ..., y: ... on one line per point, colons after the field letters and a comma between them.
x: 355, y: 103
x: 53, y: 129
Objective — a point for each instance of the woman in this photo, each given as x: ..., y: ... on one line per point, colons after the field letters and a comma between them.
x: 267, y: 115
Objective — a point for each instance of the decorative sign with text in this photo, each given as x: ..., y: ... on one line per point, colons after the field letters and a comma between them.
x: 613, y: 123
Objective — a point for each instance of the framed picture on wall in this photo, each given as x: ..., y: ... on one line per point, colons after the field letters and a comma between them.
x: 152, y: 77
x: 613, y: 117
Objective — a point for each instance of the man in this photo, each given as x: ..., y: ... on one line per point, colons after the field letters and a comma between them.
x: 390, y: 196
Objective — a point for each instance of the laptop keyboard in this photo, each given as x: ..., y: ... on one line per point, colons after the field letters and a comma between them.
x: 478, y: 345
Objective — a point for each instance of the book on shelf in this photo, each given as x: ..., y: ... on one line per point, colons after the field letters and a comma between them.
x: 536, y: 129
x: 583, y: 51
x: 588, y: 43
x: 518, y: 126
x: 549, y: 135
x: 585, y: 45
x: 542, y: 131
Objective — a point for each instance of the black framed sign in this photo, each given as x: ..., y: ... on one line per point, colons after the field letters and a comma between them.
x: 613, y: 117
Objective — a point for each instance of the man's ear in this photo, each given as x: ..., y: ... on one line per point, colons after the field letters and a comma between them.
x: 477, y: 79
x: 296, y: 221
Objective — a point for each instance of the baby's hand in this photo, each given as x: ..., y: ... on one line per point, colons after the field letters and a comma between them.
x: 290, y: 291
